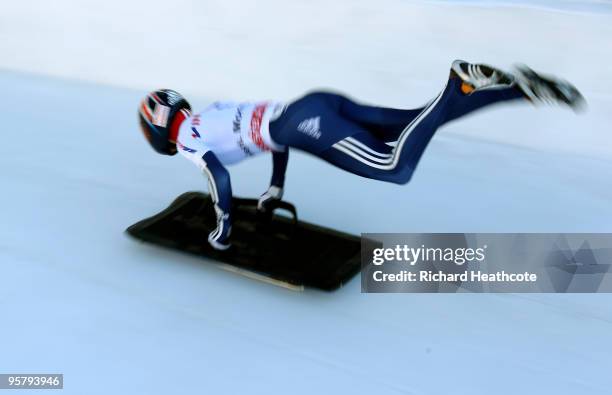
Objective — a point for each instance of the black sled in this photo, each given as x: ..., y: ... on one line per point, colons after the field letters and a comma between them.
x: 268, y: 247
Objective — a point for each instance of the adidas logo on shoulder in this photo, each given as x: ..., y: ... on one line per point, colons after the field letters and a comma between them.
x: 311, y: 127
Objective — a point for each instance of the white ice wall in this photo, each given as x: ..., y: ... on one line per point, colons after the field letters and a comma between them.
x: 393, y: 52
x: 77, y: 296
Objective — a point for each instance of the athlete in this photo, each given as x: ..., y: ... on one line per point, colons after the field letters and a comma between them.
x: 374, y: 142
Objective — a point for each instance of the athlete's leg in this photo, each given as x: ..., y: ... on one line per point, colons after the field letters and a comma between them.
x: 362, y: 154
x: 484, y: 98
x: 376, y: 160
x: 388, y: 123
x: 385, y: 123
x: 314, y: 123
x: 347, y: 134
x: 317, y: 124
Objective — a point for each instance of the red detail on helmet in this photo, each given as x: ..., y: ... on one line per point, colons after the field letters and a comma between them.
x: 156, y: 98
x: 146, y: 111
x: 176, y: 123
x: 256, y: 119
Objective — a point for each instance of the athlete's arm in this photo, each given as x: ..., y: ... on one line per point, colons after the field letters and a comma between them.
x: 220, y: 189
x: 279, y: 167
x: 277, y: 183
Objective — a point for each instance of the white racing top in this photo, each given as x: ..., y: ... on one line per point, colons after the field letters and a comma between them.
x: 232, y: 131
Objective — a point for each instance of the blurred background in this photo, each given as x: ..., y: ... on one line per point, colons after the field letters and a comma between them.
x: 115, y: 316
x: 396, y: 52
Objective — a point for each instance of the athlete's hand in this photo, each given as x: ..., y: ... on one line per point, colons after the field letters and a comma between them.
x: 219, y: 238
x: 273, y: 193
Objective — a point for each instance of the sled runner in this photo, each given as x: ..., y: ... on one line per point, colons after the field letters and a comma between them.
x: 265, y: 246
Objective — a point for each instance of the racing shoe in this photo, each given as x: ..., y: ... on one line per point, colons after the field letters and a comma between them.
x: 219, y: 238
x: 547, y: 89
x: 477, y: 77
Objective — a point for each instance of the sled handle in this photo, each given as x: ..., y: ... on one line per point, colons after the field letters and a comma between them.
x: 281, y: 205
x: 273, y: 206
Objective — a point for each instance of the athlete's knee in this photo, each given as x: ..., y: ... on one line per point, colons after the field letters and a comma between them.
x: 401, y: 177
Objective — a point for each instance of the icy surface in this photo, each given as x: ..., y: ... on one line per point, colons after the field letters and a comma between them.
x: 116, y: 316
